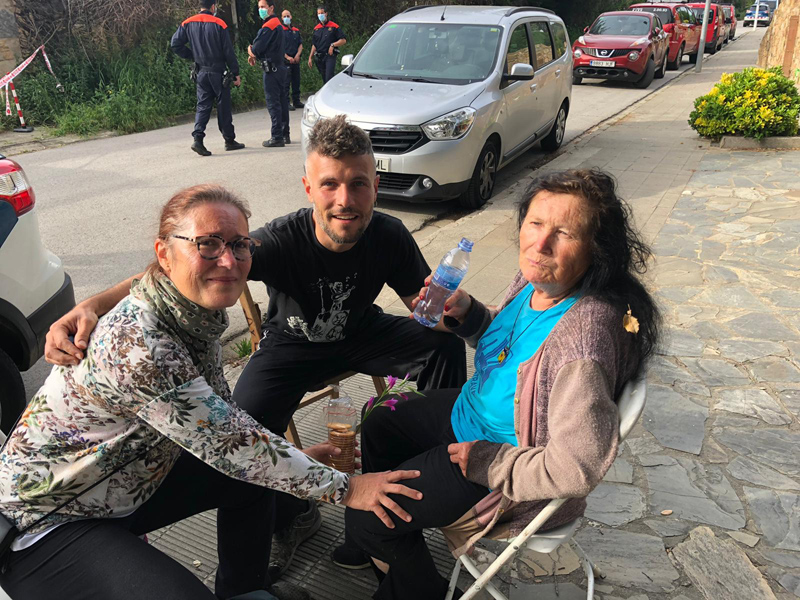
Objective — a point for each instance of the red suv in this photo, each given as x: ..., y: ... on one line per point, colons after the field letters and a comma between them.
x: 729, y: 10
x: 717, y: 33
x: 680, y: 25
x: 621, y: 45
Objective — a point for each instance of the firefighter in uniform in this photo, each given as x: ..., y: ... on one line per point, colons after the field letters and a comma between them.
x: 267, y: 49
x: 327, y: 38
x: 293, y: 48
x: 211, y: 50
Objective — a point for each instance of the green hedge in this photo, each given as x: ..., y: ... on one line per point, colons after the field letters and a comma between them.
x: 755, y: 103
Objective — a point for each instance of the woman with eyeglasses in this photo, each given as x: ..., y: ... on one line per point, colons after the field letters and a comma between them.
x: 141, y: 434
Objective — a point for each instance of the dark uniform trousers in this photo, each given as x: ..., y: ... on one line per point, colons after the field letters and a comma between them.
x: 277, y: 101
x: 326, y: 64
x: 209, y: 89
x: 293, y: 81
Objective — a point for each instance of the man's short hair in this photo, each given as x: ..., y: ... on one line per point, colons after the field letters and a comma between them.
x: 336, y: 138
x: 207, y: 4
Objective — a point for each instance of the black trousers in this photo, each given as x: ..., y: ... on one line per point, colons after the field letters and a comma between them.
x: 293, y: 81
x: 104, y: 559
x: 210, y: 89
x: 282, y: 370
x: 415, y: 436
x: 277, y: 102
x: 326, y: 65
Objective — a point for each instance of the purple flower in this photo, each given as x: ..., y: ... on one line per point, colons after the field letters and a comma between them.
x: 391, y: 402
x: 392, y: 381
x: 407, y: 376
x: 370, y: 402
x: 403, y: 396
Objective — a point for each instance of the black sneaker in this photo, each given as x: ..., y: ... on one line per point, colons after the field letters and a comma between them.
x: 287, y: 139
x: 291, y: 106
x: 200, y: 148
x: 289, y: 591
x: 233, y: 145
x: 285, y: 543
x: 273, y: 143
x: 348, y: 557
x: 298, y: 104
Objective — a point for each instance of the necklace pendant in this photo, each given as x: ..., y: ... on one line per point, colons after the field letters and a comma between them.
x: 502, y: 356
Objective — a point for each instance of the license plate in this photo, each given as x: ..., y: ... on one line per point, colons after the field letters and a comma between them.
x: 602, y: 63
x: 382, y: 164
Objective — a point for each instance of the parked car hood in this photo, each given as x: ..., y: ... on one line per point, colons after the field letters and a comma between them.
x: 392, y: 102
x: 611, y: 41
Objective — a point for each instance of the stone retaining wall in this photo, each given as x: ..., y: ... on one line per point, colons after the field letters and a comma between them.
x: 781, y: 45
x: 10, y: 54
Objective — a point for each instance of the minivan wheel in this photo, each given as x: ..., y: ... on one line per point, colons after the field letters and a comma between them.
x: 481, y: 185
x: 672, y: 66
x: 12, y: 393
x: 662, y: 70
x: 649, y: 74
x: 553, y: 140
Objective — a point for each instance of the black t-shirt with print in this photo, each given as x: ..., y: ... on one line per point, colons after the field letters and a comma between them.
x: 322, y: 296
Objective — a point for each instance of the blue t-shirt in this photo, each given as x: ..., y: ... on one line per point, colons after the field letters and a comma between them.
x: 485, y: 408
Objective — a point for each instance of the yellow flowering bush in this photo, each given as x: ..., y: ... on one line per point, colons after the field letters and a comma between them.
x: 754, y: 103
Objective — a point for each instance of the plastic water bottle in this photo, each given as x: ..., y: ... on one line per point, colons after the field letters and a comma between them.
x: 448, y: 277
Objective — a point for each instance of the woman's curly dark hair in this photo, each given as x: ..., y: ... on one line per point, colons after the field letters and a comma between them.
x: 619, y: 254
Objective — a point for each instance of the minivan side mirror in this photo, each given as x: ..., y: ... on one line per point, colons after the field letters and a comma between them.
x: 347, y: 60
x: 519, y: 72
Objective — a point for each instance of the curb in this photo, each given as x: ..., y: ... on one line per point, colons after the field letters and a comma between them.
x: 735, y: 142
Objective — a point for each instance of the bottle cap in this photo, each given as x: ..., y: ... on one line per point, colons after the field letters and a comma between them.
x: 465, y: 245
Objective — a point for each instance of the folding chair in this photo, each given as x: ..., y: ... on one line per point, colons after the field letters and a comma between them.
x: 630, y: 405
x: 330, y: 387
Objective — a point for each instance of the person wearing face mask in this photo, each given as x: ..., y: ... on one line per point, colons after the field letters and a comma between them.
x: 211, y: 50
x: 268, y: 49
x: 293, y: 48
x: 327, y: 39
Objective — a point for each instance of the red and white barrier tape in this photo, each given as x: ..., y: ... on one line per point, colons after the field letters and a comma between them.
x: 8, y: 105
x: 9, y: 77
x: 16, y: 101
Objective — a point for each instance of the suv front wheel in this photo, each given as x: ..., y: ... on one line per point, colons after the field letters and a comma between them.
x: 12, y: 392
x: 481, y: 185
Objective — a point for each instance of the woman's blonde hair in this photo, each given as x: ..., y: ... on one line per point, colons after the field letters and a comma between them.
x: 182, y: 203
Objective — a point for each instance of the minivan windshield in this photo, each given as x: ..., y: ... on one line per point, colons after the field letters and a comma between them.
x: 698, y: 12
x: 430, y: 52
x: 621, y: 25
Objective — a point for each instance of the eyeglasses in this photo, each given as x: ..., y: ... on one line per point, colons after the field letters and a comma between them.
x: 211, y: 247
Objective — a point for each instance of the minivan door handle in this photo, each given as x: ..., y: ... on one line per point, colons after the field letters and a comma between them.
x: 533, y: 87
x: 558, y: 72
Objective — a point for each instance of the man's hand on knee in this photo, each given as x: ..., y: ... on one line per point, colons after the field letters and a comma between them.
x: 370, y: 492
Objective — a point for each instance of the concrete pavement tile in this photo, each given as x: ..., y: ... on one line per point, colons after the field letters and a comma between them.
x: 776, y: 448
x: 752, y: 402
x: 745, y: 469
x: 777, y: 516
x: 693, y: 491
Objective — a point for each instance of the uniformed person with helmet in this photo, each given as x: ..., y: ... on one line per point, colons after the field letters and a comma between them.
x: 267, y: 49
x: 293, y: 48
x: 211, y: 50
x: 327, y: 39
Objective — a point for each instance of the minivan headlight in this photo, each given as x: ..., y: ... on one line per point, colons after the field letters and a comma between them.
x: 451, y: 126
x: 310, y: 114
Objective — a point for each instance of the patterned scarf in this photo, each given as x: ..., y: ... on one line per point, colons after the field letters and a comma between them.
x: 198, y: 328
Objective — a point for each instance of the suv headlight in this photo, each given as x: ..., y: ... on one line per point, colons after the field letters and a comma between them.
x: 451, y: 126
x: 310, y: 114
x: 577, y: 53
x: 633, y: 56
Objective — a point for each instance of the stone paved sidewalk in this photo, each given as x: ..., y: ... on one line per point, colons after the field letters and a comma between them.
x: 704, y: 501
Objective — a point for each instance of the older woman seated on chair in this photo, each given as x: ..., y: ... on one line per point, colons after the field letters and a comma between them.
x: 537, y: 421
x: 141, y: 433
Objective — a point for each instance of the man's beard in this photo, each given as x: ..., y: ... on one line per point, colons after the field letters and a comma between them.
x: 339, y: 239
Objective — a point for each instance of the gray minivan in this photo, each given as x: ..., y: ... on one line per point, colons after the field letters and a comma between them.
x: 449, y: 95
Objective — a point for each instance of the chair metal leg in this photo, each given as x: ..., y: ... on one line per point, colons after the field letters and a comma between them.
x: 451, y: 588
x: 588, y: 568
x: 477, y: 586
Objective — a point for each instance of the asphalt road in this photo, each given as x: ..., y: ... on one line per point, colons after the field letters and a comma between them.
x: 98, y: 200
